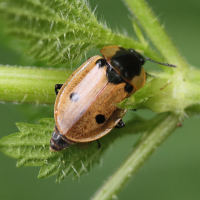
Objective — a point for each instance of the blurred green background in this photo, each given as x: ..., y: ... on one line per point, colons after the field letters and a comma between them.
x: 172, y: 172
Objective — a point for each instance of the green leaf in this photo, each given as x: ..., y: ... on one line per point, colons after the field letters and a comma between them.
x: 61, y: 30
x: 155, y: 95
x: 193, y: 110
x: 31, y: 147
x: 172, y: 91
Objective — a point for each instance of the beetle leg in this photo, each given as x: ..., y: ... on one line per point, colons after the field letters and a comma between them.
x: 120, y: 124
x: 99, y: 145
x: 134, y: 109
x: 57, y: 87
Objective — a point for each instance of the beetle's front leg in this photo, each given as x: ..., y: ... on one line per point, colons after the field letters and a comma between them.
x: 57, y: 87
x: 120, y: 124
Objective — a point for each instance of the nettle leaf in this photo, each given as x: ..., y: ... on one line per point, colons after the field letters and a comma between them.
x: 164, y: 93
x: 31, y: 148
x: 155, y: 95
x: 59, y: 30
x: 193, y: 110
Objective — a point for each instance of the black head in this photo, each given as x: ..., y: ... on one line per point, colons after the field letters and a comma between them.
x: 127, y: 62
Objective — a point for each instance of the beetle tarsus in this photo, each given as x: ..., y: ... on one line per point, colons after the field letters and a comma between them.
x: 57, y: 87
x: 99, y: 144
x: 134, y: 109
x: 120, y: 124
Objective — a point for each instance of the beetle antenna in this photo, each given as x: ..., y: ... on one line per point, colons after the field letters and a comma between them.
x: 169, y: 65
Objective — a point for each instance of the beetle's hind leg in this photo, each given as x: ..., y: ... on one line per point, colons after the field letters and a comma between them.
x: 134, y: 109
x: 99, y: 144
x: 57, y: 87
x: 120, y: 124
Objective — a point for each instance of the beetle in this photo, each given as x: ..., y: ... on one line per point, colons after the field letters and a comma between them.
x: 85, y: 107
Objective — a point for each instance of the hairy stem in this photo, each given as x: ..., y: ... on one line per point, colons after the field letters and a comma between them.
x: 156, y: 32
x: 33, y: 85
x: 163, y: 125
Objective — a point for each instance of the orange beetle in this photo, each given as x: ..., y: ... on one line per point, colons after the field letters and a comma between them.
x: 85, y: 108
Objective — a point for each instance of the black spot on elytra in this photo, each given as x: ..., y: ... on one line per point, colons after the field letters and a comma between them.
x: 128, y: 88
x: 101, y: 63
x: 74, y: 96
x: 100, y: 119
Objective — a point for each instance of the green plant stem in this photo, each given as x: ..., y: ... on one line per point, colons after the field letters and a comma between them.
x: 161, y: 128
x: 156, y: 32
x: 33, y: 85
